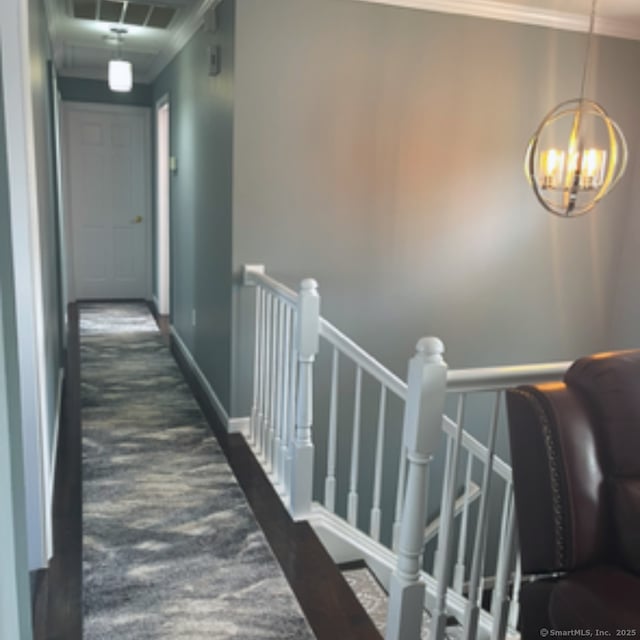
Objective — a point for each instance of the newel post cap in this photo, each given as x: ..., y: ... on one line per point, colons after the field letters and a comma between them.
x: 432, y: 349
x: 309, y: 284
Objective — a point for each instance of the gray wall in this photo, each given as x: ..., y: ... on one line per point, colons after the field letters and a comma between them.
x: 624, y: 328
x: 86, y: 90
x: 385, y: 158
x: 201, y: 110
x: 15, y: 618
x: 380, y: 150
x: 47, y: 203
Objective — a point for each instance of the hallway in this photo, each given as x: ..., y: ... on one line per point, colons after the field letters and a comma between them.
x: 170, y: 544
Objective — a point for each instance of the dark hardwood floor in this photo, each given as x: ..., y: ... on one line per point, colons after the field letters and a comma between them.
x: 58, y: 595
x: 332, y: 609
x: 330, y: 606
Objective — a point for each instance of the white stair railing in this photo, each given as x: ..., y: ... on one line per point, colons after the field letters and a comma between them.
x: 476, y: 505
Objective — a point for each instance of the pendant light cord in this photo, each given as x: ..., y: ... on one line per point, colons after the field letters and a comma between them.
x: 592, y: 23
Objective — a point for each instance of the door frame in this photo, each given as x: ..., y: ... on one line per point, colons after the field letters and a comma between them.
x: 163, y: 205
x: 67, y: 108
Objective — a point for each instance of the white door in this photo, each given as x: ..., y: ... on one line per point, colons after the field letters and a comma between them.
x: 108, y: 185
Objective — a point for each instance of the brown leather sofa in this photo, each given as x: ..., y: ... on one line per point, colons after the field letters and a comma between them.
x: 575, y: 449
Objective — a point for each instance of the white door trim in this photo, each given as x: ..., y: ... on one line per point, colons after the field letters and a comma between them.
x: 69, y: 107
x: 25, y: 238
x: 163, y: 207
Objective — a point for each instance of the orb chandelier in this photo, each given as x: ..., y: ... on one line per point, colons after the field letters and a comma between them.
x: 569, y: 180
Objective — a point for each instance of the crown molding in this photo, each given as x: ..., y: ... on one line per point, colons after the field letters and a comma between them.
x: 182, y: 34
x: 508, y: 12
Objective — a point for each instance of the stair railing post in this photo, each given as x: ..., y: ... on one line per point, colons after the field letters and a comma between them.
x: 422, y: 431
x: 307, y: 348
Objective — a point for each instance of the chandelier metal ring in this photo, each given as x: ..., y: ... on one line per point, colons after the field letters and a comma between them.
x: 574, y: 184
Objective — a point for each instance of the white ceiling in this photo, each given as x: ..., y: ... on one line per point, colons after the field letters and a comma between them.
x: 82, y: 47
x: 81, y: 50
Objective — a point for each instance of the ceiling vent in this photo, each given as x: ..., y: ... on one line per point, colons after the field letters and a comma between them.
x: 133, y: 13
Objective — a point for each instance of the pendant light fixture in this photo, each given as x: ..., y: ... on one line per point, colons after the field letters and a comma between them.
x: 570, y: 180
x: 120, y: 72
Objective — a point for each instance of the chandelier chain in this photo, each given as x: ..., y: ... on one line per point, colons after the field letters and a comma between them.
x: 592, y: 22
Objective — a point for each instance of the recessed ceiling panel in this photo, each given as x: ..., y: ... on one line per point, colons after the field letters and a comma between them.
x: 136, y: 13
x: 85, y: 9
x: 110, y: 11
x: 161, y: 17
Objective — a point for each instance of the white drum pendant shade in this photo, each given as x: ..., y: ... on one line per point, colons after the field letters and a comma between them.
x: 120, y: 75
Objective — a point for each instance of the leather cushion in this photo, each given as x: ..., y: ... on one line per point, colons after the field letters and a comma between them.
x: 610, y: 382
x: 603, y: 598
x: 625, y: 497
x: 558, y: 482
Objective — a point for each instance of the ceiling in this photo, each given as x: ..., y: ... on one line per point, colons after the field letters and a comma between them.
x: 158, y: 29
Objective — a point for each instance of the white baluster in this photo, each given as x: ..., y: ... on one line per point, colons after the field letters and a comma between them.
x: 273, y: 388
x: 277, y: 442
x: 286, y: 408
x: 504, y: 522
x: 443, y: 500
x: 445, y: 534
x: 458, y: 573
x: 263, y: 374
x: 308, y: 337
x: 472, y: 611
x: 352, y: 501
x: 514, y: 607
x: 256, y: 367
x: 402, y: 479
x: 422, y: 431
x: 291, y: 422
x: 500, y: 603
x: 267, y: 389
x: 377, y: 484
x: 330, y: 480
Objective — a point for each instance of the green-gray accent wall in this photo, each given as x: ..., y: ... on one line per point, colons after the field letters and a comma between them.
x: 15, y: 615
x: 87, y: 90
x: 47, y: 205
x: 201, y: 112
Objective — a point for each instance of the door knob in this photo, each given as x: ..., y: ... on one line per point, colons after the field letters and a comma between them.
x: 137, y: 220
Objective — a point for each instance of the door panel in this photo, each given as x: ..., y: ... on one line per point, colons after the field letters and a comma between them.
x: 107, y: 154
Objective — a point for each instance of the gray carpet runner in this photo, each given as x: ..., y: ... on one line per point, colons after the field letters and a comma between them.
x: 170, y: 547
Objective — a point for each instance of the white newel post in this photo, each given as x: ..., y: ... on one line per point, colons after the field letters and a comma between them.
x: 427, y: 381
x: 307, y: 348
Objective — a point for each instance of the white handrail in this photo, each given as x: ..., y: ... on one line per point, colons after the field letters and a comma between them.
x: 365, y: 361
x: 253, y: 276
x: 494, y: 378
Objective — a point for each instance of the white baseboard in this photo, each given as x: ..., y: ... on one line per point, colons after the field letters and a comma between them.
x: 239, y: 425
x: 232, y: 425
